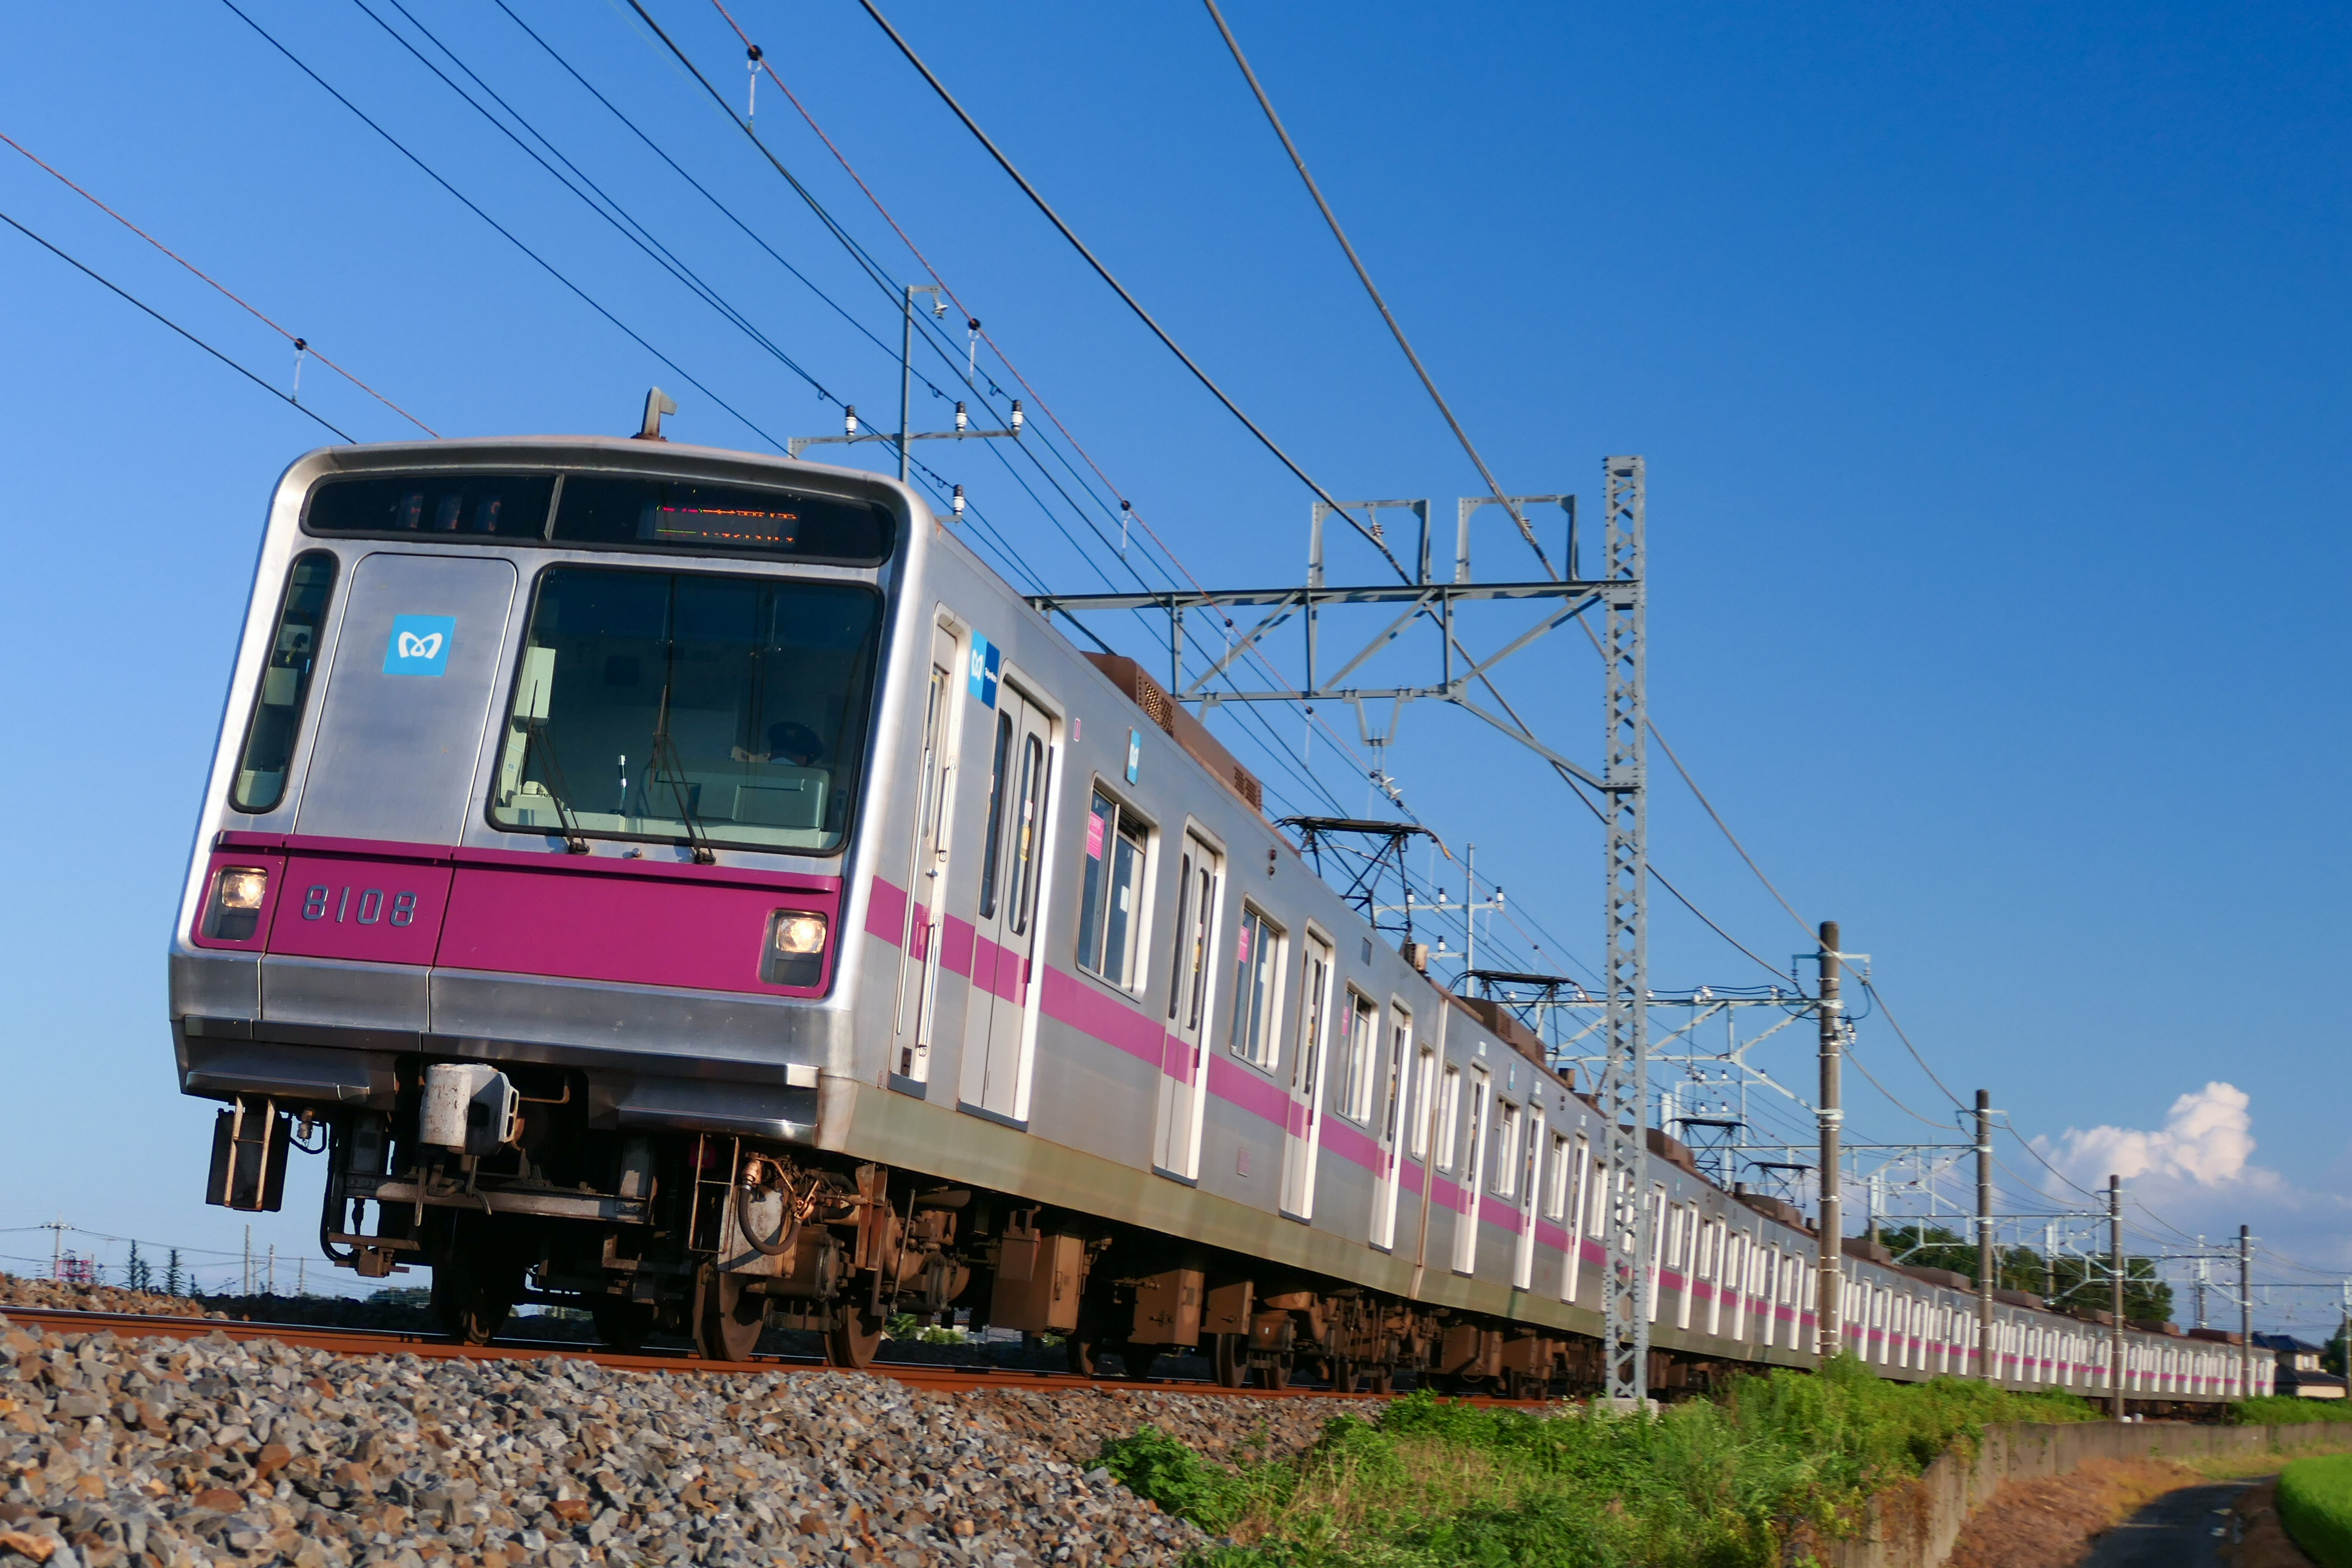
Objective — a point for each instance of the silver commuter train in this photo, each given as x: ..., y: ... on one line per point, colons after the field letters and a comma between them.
x: 691, y: 885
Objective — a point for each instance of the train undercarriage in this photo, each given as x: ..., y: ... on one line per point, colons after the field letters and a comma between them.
x: 496, y: 1181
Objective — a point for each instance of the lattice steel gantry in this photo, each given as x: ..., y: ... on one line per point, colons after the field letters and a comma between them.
x: 1617, y: 790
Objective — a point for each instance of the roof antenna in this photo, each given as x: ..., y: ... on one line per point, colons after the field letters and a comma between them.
x: 656, y: 404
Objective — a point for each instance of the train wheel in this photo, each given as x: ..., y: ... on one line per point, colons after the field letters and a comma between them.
x: 727, y: 1318
x: 1343, y: 1375
x: 1276, y: 1372
x: 1226, y: 1356
x: 472, y: 1297
x: 621, y: 1325
x: 1138, y: 1360
x: 1078, y: 1354
x: 854, y: 1336
x: 1383, y: 1379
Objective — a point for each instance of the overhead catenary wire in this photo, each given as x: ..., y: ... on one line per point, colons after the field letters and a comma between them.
x: 223, y: 290
x: 1363, y: 276
x: 509, y: 235
x: 1117, y: 288
x: 127, y: 296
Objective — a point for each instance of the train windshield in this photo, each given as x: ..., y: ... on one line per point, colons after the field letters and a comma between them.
x: 686, y: 707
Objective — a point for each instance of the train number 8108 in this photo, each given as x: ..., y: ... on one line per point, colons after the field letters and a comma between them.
x: 374, y: 904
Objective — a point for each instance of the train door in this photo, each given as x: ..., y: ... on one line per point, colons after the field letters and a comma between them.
x: 1302, y: 1120
x: 1579, y: 1206
x: 393, y: 760
x: 997, y: 1033
x: 927, y: 871
x: 1176, y: 1141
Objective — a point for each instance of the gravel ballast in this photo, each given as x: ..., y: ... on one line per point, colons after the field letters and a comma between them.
x: 174, y: 1452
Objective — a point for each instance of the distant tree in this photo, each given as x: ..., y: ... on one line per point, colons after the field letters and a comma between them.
x: 134, y: 1270
x: 175, y: 1282
x: 2065, y: 1280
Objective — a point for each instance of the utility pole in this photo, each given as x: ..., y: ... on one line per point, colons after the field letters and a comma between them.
x: 2049, y: 1259
x: 2115, y: 1267
x: 1985, y: 1367
x: 1832, y: 1239
x: 2246, y: 1311
x: 56, y: 1229
x: 2203, y: 1271
x: 248, y: 1260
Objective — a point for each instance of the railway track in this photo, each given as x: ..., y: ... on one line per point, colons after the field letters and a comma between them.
x: 433, y: 1347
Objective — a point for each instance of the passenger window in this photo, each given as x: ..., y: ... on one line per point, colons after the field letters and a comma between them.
x: 1027, y: 831
x: 1257, y: 990
x: 504, y: 506
x: 993, y: 851
x: 286, y: 672
x: 1363, y: 1027
x: 1424, y: 1084
x: 1506, y: 1152
x: 1109, y: 915
x: 1449, y: 1118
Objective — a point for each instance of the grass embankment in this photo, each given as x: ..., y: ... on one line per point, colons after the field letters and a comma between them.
x: 2314, y: 1503
x: 1747, y: 1480
x: 2286, y: 1410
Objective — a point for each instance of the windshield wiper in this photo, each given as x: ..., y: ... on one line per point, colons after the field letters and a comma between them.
x: 551, y: 780
x: 671, y: 770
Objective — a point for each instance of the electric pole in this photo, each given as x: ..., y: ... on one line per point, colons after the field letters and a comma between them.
x: 2246, y: 1311
x: 1832, y: 1239
x: 2115, y: 1267
x: 1985, y: 1368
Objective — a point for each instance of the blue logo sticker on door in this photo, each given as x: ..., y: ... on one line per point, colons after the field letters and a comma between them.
x: 987, y: 661
x: 419, y: 645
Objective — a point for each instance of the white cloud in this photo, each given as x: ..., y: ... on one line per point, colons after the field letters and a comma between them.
x: 2207, y: 1139
x: 2197, y: 1175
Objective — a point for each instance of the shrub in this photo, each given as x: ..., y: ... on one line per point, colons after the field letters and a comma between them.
x: 2286, y: 1410
x: 2314, y: 1503
x: 1744, y: 1481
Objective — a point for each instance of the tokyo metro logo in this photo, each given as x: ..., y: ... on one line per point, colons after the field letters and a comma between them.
x: 419, y: 645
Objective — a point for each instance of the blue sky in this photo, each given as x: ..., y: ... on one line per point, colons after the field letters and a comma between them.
x: 1989, y: 369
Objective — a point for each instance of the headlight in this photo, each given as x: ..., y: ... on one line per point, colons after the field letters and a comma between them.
x: 242, y: 887
x: 235, y: 913
x: 795, y: 954
x: 799, y: 935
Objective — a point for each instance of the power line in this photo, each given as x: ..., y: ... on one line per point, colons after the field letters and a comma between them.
x: 505, y: 233
x: 300, y: 345
x: 1117, y: 286
x: 1365, y: 277
x: 175, y: 326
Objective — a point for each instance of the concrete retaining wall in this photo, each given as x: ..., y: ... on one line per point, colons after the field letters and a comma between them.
x: 1915, y: 1525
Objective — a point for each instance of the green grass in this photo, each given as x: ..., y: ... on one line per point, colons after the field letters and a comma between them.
x: 1747, y: 1480
x: 2286, y: 1410
x: 2314, y: 1503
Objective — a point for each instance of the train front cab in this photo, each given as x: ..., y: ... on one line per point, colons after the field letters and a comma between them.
x: 522, y: 886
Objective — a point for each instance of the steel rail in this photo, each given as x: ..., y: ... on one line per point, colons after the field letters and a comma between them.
x: 434, y: 1347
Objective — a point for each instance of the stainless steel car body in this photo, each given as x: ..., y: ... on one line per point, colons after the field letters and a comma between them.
x: 948, y: 1042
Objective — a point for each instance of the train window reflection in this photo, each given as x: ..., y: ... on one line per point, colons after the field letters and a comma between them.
x: 718, y: 711
x: 284, y: 684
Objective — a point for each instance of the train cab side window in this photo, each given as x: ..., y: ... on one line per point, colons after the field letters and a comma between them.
x: 1109, y: 918
x: 286, y: 673
x: 1257, y: 990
